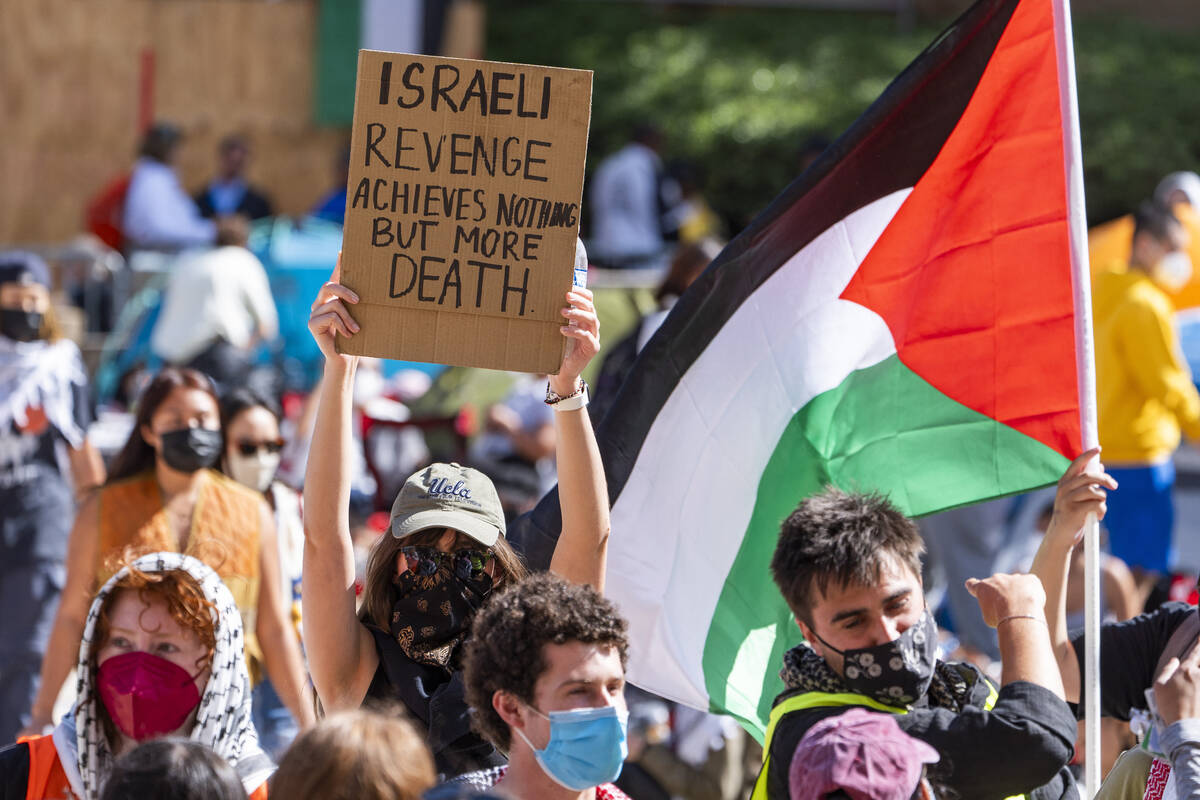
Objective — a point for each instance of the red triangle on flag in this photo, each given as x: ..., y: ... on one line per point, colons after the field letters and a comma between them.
x: 973, y: 273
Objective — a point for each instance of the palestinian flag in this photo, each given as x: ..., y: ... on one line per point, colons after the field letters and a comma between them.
x: 901, y: 319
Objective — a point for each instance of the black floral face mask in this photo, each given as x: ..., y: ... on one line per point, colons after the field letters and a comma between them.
x: 434, y: 610
x: 895, y: 673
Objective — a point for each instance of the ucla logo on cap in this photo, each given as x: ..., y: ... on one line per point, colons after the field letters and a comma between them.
x: 441, y: 487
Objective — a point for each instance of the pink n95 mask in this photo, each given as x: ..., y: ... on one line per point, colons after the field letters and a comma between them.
x: 145, y: 695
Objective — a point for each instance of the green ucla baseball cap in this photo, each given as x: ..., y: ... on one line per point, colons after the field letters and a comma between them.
x: 449, y: 496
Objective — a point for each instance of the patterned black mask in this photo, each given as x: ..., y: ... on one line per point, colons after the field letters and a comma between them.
x: 895, y: 673
x: 434, y: 611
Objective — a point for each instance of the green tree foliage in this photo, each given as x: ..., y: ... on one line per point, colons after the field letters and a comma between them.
x: 1139, y: 117
x: 737, y: 90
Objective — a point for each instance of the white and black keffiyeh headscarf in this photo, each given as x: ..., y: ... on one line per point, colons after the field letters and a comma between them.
x: 223, y: 718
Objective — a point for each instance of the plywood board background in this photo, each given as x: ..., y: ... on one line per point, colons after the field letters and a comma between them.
x: 69, y: 100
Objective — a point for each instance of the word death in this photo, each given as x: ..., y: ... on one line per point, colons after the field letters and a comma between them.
x: 437, y: 280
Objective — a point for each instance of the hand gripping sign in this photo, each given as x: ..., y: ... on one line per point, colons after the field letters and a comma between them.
x: 462, y: 209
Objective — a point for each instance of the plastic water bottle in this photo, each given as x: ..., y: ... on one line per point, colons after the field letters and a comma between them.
x: 581, y: 265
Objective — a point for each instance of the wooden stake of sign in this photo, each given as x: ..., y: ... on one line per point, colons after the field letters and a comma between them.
x: 462, y: 209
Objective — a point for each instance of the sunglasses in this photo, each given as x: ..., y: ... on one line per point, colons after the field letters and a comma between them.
x: 466, y: 564
x: 248, y: 448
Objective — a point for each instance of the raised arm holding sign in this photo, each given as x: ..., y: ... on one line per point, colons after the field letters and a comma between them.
x: 446, y: 532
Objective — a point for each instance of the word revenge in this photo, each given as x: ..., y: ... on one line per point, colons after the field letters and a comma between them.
x: 466, y: 154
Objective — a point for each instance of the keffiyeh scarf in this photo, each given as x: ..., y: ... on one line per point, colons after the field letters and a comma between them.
x: 1160, y: 784
x: 223, y: 718
x: 805, y: 670
x: 481, y: 782
x: 41, y: 375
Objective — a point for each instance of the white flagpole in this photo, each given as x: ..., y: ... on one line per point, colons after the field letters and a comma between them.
x: 1086, y: 372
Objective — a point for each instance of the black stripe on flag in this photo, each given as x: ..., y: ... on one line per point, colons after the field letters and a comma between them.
x: 887, y: 149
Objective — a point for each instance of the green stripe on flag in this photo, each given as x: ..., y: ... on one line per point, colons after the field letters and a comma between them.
x: 884, y: 428
x: 336, y: 65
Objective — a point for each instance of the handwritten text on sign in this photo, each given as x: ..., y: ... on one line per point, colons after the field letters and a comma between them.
x: 466, y: 179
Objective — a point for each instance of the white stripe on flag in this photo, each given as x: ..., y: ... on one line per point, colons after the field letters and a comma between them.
x: 681, y: 516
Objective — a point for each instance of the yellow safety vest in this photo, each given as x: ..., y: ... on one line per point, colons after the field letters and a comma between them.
x: 808, y: 700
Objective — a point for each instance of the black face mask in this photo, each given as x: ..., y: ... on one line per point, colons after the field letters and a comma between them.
x: 21, y: 326
x: 190, y: 449
x: 434, y: 612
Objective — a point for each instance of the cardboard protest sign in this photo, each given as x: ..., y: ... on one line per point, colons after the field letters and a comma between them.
x: 463, y: 199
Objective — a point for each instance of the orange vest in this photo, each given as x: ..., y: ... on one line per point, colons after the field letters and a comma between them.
x: 224, y: 534
x: 48, y: 781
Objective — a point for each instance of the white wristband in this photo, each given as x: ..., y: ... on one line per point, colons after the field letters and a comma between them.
x: 572, y: 403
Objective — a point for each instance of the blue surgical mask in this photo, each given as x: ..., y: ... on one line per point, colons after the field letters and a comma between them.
x: 587, y: 746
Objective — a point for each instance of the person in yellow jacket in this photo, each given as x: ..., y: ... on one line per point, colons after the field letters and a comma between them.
x: 1110, y: 243
x: 1144, y: 391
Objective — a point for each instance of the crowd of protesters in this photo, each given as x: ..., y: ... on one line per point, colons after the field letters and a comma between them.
x: 219, y: 621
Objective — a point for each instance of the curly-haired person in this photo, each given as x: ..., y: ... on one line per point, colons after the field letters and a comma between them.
x: 544, y: 671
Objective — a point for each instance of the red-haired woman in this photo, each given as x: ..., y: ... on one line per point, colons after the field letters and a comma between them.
x: 161, y: 655
x: 162, y: 496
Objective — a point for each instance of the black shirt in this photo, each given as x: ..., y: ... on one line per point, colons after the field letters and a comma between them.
x: 14, y: 772
x: 1129, y: 653
x: 1021, y: 746
x: 436, y: 698
x: 254, y: 204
